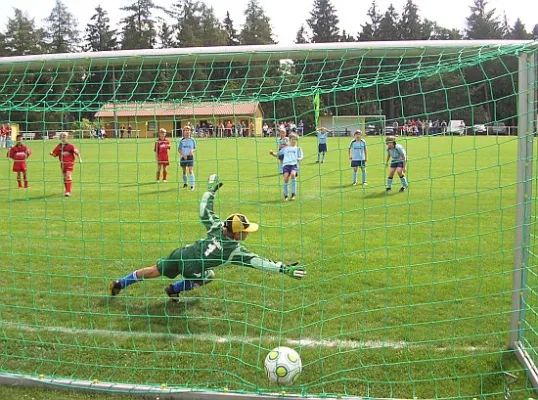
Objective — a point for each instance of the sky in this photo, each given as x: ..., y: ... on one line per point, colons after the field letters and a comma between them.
x: 288, y: 15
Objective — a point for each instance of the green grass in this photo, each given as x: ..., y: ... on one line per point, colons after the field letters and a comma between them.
x: 407, y: 295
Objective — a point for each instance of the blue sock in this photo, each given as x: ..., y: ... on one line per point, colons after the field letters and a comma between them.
x: 293, y: 186
x: 354, y: 176
x: 364, y: 175
x: 389, y: 182
x: 319, y: 156
x: 182, y: 286
x: 128, y: 280
x: 404, y: 181
x: 322, y: 156
x: 184, y: 178
x: 285, y: 189
x: 192, y: 180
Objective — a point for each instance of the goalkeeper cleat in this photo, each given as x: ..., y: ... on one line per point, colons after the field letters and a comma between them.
x: 114, y: 288
x: 403, y: 189
x: 174, y: 296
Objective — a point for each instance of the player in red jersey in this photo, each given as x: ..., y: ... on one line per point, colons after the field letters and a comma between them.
x: 19, y: 153
x: 66, y: 153
x: 161, y: 147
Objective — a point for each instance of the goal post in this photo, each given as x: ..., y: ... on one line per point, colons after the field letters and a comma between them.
x: 412, y: 292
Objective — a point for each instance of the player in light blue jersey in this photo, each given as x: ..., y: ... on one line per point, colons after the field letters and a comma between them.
x: 291, y: 155
x: 186, y: 148
x: 323, y: 134
x: 282, y: 142
x: 358, y: 154
x: 396, y: 153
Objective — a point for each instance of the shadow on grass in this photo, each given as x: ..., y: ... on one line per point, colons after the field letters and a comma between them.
x: 377, y: 195
x: 268, y: 176
x: 159, y: 191
x: 139, y: 184
x: 34, y: 198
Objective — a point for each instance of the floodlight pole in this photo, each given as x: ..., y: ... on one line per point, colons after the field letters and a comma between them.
x: 526, y: 130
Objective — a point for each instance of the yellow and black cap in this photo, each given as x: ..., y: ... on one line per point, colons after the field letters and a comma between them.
x: 236, y: 223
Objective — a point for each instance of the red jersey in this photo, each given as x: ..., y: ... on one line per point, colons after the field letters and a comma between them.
x: 65, y: 152
x: 19, y: 153
x: 161, y: 147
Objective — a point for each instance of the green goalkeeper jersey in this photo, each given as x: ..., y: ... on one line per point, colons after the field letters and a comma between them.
x: 213, y: 251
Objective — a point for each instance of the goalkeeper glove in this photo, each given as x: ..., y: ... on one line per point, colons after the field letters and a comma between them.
x: 294, y: 270
x: 213, y: 183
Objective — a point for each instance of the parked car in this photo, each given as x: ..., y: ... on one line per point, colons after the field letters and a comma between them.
x: 389, y: 130
x: 457, y: 126
x: 480, y: 129
x: 499, y: 128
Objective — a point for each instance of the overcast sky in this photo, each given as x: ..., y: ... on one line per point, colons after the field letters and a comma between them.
x: 288, y: 15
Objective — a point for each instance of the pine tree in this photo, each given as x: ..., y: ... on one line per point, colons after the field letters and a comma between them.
x: 166, y: 36
x: 187, y: 14
x: 22, y: 37
x: 370, y: 29
x: 257, y: 28
x: 323, y: 22
x: 300, y: 38
x: 534, y: 33
x: 519, y: 32
x: 138, y: 28
x: 346, y: 37
x: 388, y: 25
x: 213, y: 33
x: 231, y: 33
x: 482, y: 23
x: 99, y: 35
x: 62, y: 35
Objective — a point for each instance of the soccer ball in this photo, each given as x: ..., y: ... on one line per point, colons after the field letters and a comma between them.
x: 283, y: 366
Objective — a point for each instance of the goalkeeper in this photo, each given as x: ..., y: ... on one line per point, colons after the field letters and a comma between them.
x: 195, y: 263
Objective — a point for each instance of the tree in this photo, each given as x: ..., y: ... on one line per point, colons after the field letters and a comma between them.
x: 534, y: 33
x: 370, y: 30
x: 22, y: 38
x: 138, y: 28
x: 519, y: 32
x: 300, y: 38
x: 99, y: 35
x: 166, y: 36
x: 323, y: 22
x: 410, y: 24
x: 61, y: 34
x: 346, y: 37
x: 257, y: 28
x: 213, y: 34
x: 388, y: 25
x: 440, y: 33
x: 231, y: 34
x: 482, y: 23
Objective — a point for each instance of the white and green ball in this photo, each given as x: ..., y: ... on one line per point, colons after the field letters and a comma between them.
x: 283, y: 366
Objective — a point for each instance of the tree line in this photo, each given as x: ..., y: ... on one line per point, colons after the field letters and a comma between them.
x: 192, y: 23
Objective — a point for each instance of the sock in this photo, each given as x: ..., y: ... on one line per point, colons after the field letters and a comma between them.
x: 65, y: 185
x: 354, y: 176
x: 363, y: 175
x: 403, y: 179
x: 285, y: 189
x: 319, y: 156
x: 280, y: 168
x: 293, y: 186
x: 164, y: 175
x: 389, y: 183
x: 181, y: 286
x: 68, y: 185
x: 25, y: 180
x: 185, y: 179
x: 322, y: 156
x: 128, y: 280
x: 192, y: 179
x: 19, y: 182
x: 158, y: 175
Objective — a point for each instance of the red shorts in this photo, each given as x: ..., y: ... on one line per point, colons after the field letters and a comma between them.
x: 19, y: 166
x: 163, y: 161
x: 67, y: 167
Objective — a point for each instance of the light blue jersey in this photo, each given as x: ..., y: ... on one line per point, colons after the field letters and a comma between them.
x: 291, y: 155
x: 397, y: 154
x: 187, y: 146
x: 358, y: 150
x: 322, y: 137
x: 282, y: 142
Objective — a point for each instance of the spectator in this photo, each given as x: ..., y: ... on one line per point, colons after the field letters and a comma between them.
x: 129, y: 131
x: 122, y: 131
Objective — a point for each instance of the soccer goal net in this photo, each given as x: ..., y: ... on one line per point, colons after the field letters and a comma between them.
x: 427, y: 290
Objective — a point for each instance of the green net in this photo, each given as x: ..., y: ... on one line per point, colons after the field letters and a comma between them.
x: 408, y: 295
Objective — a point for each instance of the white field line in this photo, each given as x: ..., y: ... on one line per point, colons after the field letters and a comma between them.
x: 303, y: 342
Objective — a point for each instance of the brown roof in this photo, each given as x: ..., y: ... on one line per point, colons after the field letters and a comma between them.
x: 176, y: 109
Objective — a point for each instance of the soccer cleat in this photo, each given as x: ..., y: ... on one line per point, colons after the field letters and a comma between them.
x: 365, y: 184
x: 114, y: 288
x: 185, y: 186
x: 292, y: 197
x: 192, y: 187
x: 174, y: 296
x: 389, y: 189
x: 285, y: 198
x: 67, y: 194
x: 402, y: 189
x: 354, y: 183
x: 164, y: 180
x: 317, y: 162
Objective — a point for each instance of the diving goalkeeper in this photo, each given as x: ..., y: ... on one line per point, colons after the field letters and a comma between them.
x: 195, y: 263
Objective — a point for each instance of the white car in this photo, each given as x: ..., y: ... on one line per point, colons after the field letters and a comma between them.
x: 480, y: 129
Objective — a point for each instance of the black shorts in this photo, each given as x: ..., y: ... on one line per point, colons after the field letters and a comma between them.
x: 189, y: 162
x: 397, y: 164
x: 322, y: 148
x: 358, y: 163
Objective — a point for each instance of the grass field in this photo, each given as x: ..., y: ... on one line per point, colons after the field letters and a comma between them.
x: 407, y: 295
